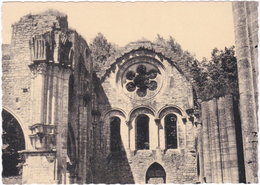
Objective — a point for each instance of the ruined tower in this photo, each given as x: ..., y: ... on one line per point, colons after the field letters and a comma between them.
x: 43, y: 54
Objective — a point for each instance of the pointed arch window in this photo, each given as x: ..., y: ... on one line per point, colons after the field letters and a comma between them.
x: 155, y: 174
x: 115, y: 135
x: 170, y: 122
x: 142, y: 132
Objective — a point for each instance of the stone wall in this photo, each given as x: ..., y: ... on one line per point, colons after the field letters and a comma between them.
x: 130, y: 165
x: 16, y: 73
x: 219, y: 143
x: 44, y: 173
x: 80, y: 107
x: 35, y: 92
x: 246, y: 35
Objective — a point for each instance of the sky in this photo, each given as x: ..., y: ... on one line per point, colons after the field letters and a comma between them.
x: 197, y: 26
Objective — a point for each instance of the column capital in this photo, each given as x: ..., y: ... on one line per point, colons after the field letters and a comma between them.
x: 128, y: 123
x: 158, y: 123
x: 38, y: 68
x: 43, y: 136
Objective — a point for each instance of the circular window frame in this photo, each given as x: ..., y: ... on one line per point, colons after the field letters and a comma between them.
x: 138, y: 60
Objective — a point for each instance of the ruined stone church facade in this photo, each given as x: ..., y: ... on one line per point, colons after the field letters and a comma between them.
x: 137, y: 122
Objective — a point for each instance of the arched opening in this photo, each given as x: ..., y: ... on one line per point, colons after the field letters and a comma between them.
x: 13, y: 141
x: 71, y: 58
x: 71, y: 150
x: 155, y: 174
x: 115, y: 135
x: 71, y: 92
x: 198, y: 166
x: 71, y: 141
x: 170, y: 121
x: 142, y: 132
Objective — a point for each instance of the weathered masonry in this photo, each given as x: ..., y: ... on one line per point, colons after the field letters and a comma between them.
x: 137, y: 122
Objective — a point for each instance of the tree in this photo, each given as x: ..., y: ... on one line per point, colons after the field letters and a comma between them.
x: 218, y: 76
x: 172, y: 49
x: 13, y: 141
x: 169, y: 47
x: 210, y: 78
x: 101, y: 50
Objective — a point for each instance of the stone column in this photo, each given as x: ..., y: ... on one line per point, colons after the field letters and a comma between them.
x: 252, y: 21
x: 62, y: 121
x: 246, y: 90
x: 224, y: 149
x: 40, y: 159
x: 212, y: 142
x: 200, y: 151
x: 49, y: 139
x: 231, y: 137
x: 54, y: 99
x: 128, y: 123
x: 39, y: 74
x: 206, y: 144
x: 49, y: 92
x: 158, y: 123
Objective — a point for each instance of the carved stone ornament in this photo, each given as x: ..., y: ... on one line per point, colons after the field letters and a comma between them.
x: 38, y: 68
x: 142, y: 78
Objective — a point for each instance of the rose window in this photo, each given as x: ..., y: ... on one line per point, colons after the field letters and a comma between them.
x: 141, y: 80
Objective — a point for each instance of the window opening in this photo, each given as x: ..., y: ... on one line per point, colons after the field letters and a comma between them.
x: 115, y: 135
x: 142, y: 128
x: 171, y: 131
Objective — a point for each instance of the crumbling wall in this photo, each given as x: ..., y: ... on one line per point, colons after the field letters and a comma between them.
x: 16, y: 80
x: 19, y: 100
x: 80, y: 106
x: 218, y: 142
x: 130, y: 165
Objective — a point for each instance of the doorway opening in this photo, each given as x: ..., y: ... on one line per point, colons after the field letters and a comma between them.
x: 155, y: 174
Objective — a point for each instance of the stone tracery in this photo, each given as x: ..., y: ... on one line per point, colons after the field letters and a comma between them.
x: 141, y: 79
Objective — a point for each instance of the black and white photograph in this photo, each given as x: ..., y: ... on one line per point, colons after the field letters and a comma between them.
x: 129, y: 92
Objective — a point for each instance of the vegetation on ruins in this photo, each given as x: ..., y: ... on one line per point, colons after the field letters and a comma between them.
x: 101, y: 50
x: 211, y: 78
x: 218, y: 76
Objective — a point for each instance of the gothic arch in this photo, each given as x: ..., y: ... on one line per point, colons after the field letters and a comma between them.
x: 180, y: 127
x: 113, y: 112
x: 171, y: 133
x: 169, y: 109
x: 13, y: 142
x: 24, y: 127
x: 140, y: 110
x: 156, y: 173
x: 106, y: 117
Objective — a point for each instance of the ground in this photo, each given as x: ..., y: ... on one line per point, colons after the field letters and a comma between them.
x: 12, y: 180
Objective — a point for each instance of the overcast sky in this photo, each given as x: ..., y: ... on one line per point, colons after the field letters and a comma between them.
x: 197, y: 26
